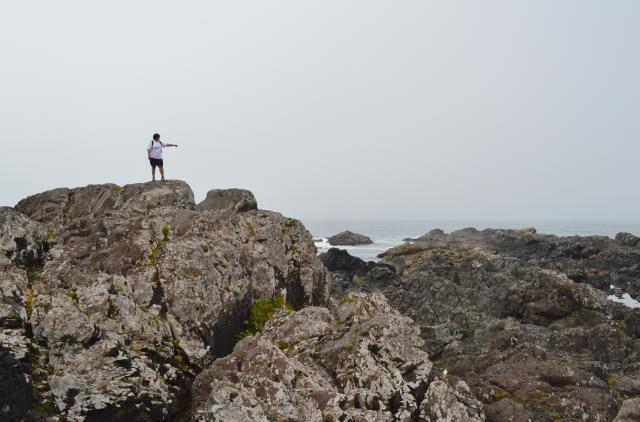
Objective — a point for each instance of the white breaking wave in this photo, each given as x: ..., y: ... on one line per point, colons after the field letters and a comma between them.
x: 366, y: 252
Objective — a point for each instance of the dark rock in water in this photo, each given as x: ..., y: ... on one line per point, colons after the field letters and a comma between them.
x: 359, y: 360
x: 340, y: 260
x: 627, y: 239
x: 236, y: 200
x: 348, y: 238
x: 114, y: 298
x: 523, y: 318
x: 349, y: 271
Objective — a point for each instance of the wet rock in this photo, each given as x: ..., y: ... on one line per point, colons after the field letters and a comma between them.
x: 360, y: 360
x: 348, y: 238
x: 236, y: 200
x: 340, y: 260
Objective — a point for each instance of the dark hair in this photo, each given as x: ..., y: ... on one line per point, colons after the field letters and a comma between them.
x: 156, y: 136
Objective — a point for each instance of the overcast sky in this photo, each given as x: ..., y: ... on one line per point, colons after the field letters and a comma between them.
x: 327, y: 109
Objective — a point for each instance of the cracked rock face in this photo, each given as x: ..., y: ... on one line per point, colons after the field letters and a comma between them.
x: 359, y: 360
x: 521, y: 317
x: 120, y: 295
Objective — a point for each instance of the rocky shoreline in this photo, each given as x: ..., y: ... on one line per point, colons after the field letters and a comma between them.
x: 131, y: 302
x: 522, y: 317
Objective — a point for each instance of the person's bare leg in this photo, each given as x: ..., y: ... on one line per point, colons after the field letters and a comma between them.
x: 162, y: 172
x: 153, y: 173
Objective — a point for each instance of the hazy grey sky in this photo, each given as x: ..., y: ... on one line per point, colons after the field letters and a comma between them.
x: 360, y: 109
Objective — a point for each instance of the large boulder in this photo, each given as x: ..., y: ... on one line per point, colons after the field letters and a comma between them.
x: 348, y: 238
x: 359, y: 360
x: 236, y: 200
x: 340, y: 260
x: 134, y: 292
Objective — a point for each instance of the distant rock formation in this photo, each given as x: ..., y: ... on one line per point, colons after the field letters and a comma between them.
x: 522, y: 317
x: 348, y: 238
x: 114, y: 298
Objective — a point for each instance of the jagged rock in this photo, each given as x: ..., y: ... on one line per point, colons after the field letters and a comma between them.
x: 236, y: 200
x: 627, y: 239
x: 22, y: 241
x: 523, y: 318
x: 358, y: 361
x: 45, y: 207
x: 137, y: 291
x: 348, y: 238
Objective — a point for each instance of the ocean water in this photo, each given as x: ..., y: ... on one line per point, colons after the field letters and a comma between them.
x: 388, y: 233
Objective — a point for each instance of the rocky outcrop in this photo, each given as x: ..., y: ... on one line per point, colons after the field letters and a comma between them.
x: 359, y: 360
x: 236, y: 200
x: 524, y: 318
x: 348, y: 238
x: 114, y: 298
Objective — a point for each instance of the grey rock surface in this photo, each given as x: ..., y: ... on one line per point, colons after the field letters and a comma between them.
x: 22, y: 241
x: 627, y: 239
x: 359, y: 360
x: 236, y: 200
x: 348, y: 238
x: 629, y: 412
x: 523, y: 318
x: 126, y: 293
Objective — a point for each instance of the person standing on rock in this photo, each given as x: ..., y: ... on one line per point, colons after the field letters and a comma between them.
x: 154, y: 152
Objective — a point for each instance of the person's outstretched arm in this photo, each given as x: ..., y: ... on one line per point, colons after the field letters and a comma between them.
x: 171, y: 145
